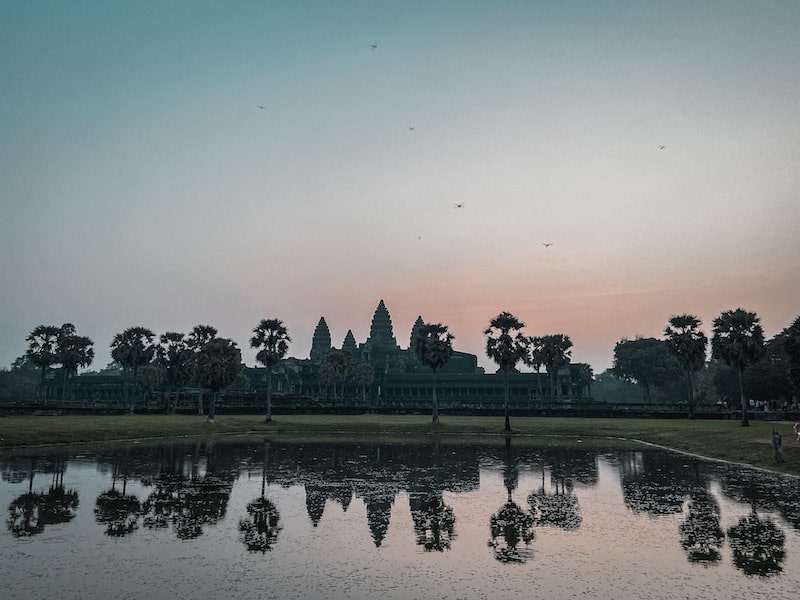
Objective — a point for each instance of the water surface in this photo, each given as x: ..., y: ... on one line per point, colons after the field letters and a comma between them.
x: 388, y: 521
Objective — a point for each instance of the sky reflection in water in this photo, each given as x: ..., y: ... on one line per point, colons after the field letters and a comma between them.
x: 277, y: 520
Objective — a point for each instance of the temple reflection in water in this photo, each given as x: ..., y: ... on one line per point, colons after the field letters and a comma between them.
x: 509, y: 502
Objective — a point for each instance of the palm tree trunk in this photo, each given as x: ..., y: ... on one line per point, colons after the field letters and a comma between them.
x: 435, y: 402
x: 64, y: 387
x: 508, y: 421
x: 539, y: 384
x: 745, y: 421
x: 690, y: 392
x: 130, y: 398
x: 200, y: 402
x: 269, y: 396
x: 212, y: 405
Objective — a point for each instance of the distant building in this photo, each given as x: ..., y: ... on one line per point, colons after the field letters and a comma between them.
x: 400, y: 378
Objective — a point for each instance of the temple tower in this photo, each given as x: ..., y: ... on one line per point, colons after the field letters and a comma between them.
x: 380, y: 332
x: 349, y: 343
x: 418, y: 324
x: 321, y: 342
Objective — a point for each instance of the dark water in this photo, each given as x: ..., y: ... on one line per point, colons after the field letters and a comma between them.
x: 278, y: 520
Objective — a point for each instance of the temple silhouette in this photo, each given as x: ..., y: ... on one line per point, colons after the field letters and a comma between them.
x: 383, y: 376
x: 400, y: 380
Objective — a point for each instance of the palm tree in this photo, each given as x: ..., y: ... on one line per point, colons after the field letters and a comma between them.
x: 507, y: 345
x: 42, y: 346
x: 74, y: 351
x: 218, y: 364
x: 177, y: 360
x: 199, y: 337
x: 537, y: 362
x: 433, y: 345
x: 272, y: 337
x: 791, y: 343
x: 555, y: 353
x: 688, y: 344
x: 738, y: 339
x: 132, y: 349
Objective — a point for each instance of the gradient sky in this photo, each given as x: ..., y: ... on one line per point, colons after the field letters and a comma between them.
x: 140, y: 184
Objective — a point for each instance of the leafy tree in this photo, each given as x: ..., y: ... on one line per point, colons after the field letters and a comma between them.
x: 610, y: 388
x: 24, y: 367
x: 555, y: 352
x: 272, y: 337
x: 769, y: 379
x: 688, y: 344
x: 199, y: 337
x: 13, y: 385
x: 645, y: 361
x: 738, y: 339
x: 177, y: 359
x: 364, y: 375
x: 218, y: 364
x: 336, y: 368
x: 73, y: 351
x: 42, y: 348
x: 506, y: 345
x: 132, y: 349
x: 433, y: 346
x: 791, y: 343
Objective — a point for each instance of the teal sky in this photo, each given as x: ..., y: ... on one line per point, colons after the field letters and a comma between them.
x: 141, y: 184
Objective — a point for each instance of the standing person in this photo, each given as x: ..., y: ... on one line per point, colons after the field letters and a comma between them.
x: 777, y: 446
x: 796, y: 430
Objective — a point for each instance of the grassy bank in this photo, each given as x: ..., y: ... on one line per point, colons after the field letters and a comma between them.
x: 724, y: 440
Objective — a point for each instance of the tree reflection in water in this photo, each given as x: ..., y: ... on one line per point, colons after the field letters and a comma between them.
x: 25, y: 518
x: 187, y: 503
x: 757, y: 546
x: 259, y: 530
x: 559, y: 509
x: 118, y: 511
x: 511, y: 526
x: 701, y: 534
x: 31, y: 512
x: 434, y: 521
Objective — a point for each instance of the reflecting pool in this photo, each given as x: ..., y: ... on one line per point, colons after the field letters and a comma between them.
x: 272, y: 519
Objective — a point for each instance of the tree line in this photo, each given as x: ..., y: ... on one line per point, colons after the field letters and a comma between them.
x: 737, y: 340
x: 203, y: 359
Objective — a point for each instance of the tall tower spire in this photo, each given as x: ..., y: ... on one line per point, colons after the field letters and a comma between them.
x: 418, y: 324
x: 321, y: 342
x: 349, y: 343
x: 380, y: 332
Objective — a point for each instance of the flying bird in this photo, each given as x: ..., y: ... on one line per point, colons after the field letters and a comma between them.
x: 374, y: 46
x: 547, y: 244
x: 261, y: 106
x: 458, y: 205
x: 661, y: 146
x: 410, y: 128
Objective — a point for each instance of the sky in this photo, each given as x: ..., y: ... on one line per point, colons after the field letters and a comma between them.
x: 167, y: 164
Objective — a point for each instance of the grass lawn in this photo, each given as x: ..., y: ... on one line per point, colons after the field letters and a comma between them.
x: 720, y: 439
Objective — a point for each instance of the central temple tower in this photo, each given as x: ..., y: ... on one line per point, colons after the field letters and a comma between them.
x: 381, y: 332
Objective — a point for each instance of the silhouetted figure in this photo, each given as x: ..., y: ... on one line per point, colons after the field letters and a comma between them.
x: 777, y: 446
